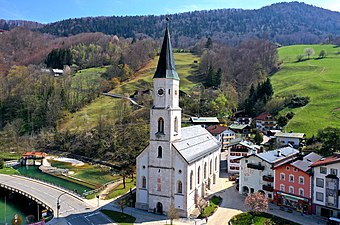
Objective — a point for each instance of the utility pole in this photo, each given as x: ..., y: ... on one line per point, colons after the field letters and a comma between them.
x: 58, y: 204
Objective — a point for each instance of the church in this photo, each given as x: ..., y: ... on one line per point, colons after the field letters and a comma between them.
x: 180, y: 164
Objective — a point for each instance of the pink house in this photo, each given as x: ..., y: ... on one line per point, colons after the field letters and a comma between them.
x: 293, y: 183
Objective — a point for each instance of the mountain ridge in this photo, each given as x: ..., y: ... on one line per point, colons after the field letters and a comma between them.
x: 284, y: 23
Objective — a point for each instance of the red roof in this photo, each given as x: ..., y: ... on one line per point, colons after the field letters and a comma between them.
x: 216, y: 129
x: 263, y: 116
x: 37, y: 154
x: 325, y: 161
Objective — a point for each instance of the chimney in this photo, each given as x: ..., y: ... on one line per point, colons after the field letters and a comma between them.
x: 278, y: 153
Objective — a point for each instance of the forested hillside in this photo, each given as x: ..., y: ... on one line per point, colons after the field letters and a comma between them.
x: 10, y: 24
x: 284, y: 23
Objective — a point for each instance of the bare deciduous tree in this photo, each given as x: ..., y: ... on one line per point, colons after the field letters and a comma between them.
x: 173, y: 213
x: 309, y: 52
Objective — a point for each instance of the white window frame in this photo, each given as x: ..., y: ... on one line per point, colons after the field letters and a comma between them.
x: 291, y: 180
x: 282, y: 187
x: 332, y: 171
x: 303, y: 192
x: 303, y: 180
x: 282, y: 176
x: 316, y: 196
x: 324, y: 168
x: 291, y: 189
x: 323, y: 182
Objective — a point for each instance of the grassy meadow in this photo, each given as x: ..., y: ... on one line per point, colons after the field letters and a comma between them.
x: 316, y: 78
x: 104, y: 107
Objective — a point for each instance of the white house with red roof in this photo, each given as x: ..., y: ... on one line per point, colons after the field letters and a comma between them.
x: 326, y: 201
x: 265, y: 122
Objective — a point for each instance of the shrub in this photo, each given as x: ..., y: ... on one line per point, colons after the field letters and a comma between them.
x: 298, y: 101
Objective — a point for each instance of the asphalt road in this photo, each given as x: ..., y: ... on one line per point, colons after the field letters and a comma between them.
x: 47, y: 194
x: 94, y: 218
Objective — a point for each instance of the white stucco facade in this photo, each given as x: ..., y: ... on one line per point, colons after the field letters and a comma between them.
x: 180, y: 163
x: 325, y: 190
x: 250, y: 180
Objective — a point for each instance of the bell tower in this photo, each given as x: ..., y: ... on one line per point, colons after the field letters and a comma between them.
x: 165, y: 128
x: 165, y: 115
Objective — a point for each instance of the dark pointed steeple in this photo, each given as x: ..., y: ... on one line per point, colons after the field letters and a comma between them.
x: 166, y: 67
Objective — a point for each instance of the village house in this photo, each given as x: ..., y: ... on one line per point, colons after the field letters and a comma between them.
x: 293, y: 183
x: 228, y: 136
x: 265, y: 122
x: 222, y: 134
x: 204, y: 121
x: 180, y: 164
x: 237, y: 151
x: 217, y: 131
x: 256, y: 171
x: 57, y: 72
x: 326, y: 201
x: 296, y: 140
x: 242, y: 118
x: 240, y: 128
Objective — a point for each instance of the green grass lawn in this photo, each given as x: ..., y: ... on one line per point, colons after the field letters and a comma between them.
x: 129, y: 183
x: 210, y: 209
x: 246, y: 218
x: 10, y: 155
x: 105, y: 107
x: 9, y: 171
x: 94, y: 174
x: 118, y: 217
x: 318, y: 79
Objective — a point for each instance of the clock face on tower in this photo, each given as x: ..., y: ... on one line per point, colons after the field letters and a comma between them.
x: 160, y: 92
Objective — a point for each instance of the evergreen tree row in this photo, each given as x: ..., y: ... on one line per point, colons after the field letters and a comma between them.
x: 258, y: 97
x: 57, y: 58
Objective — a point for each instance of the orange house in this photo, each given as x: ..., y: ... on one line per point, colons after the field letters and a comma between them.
x: 293, y: 183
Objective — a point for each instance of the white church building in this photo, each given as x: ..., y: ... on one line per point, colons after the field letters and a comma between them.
x: 180, y: 164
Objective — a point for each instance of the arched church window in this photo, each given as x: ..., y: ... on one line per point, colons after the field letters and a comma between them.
x: 215, y: 163
x: 176, y: 125
x: 143, y: 182
x: 159, y: 187
x: 210, y: 172
x: 198, y: 174
x: 161, y: 125
x: 205, y: 170
x: 191, y: 178
x: 160, y: 152
x: 179, y: 187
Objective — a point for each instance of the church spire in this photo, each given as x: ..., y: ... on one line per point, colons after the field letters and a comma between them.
x: 166, y: 67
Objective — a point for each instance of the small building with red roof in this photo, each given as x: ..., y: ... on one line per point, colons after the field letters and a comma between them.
x: 326, y: 196
x: 265, y: 122
x: 293, y: 183
x: 222, y: 134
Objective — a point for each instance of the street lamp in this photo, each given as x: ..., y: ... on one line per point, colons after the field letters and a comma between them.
x: 58, y: 204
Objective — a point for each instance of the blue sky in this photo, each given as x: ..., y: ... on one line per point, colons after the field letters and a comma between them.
x: 45, y: 11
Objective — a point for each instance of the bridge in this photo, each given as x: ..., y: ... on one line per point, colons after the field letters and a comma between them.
x: 47, y: 195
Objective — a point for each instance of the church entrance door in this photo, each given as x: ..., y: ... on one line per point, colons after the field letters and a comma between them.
x: 159, y: 208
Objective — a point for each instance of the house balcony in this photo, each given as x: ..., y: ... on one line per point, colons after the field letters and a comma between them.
x: 268, y: 178
x: 268, y: 188
x: 255, y: 166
